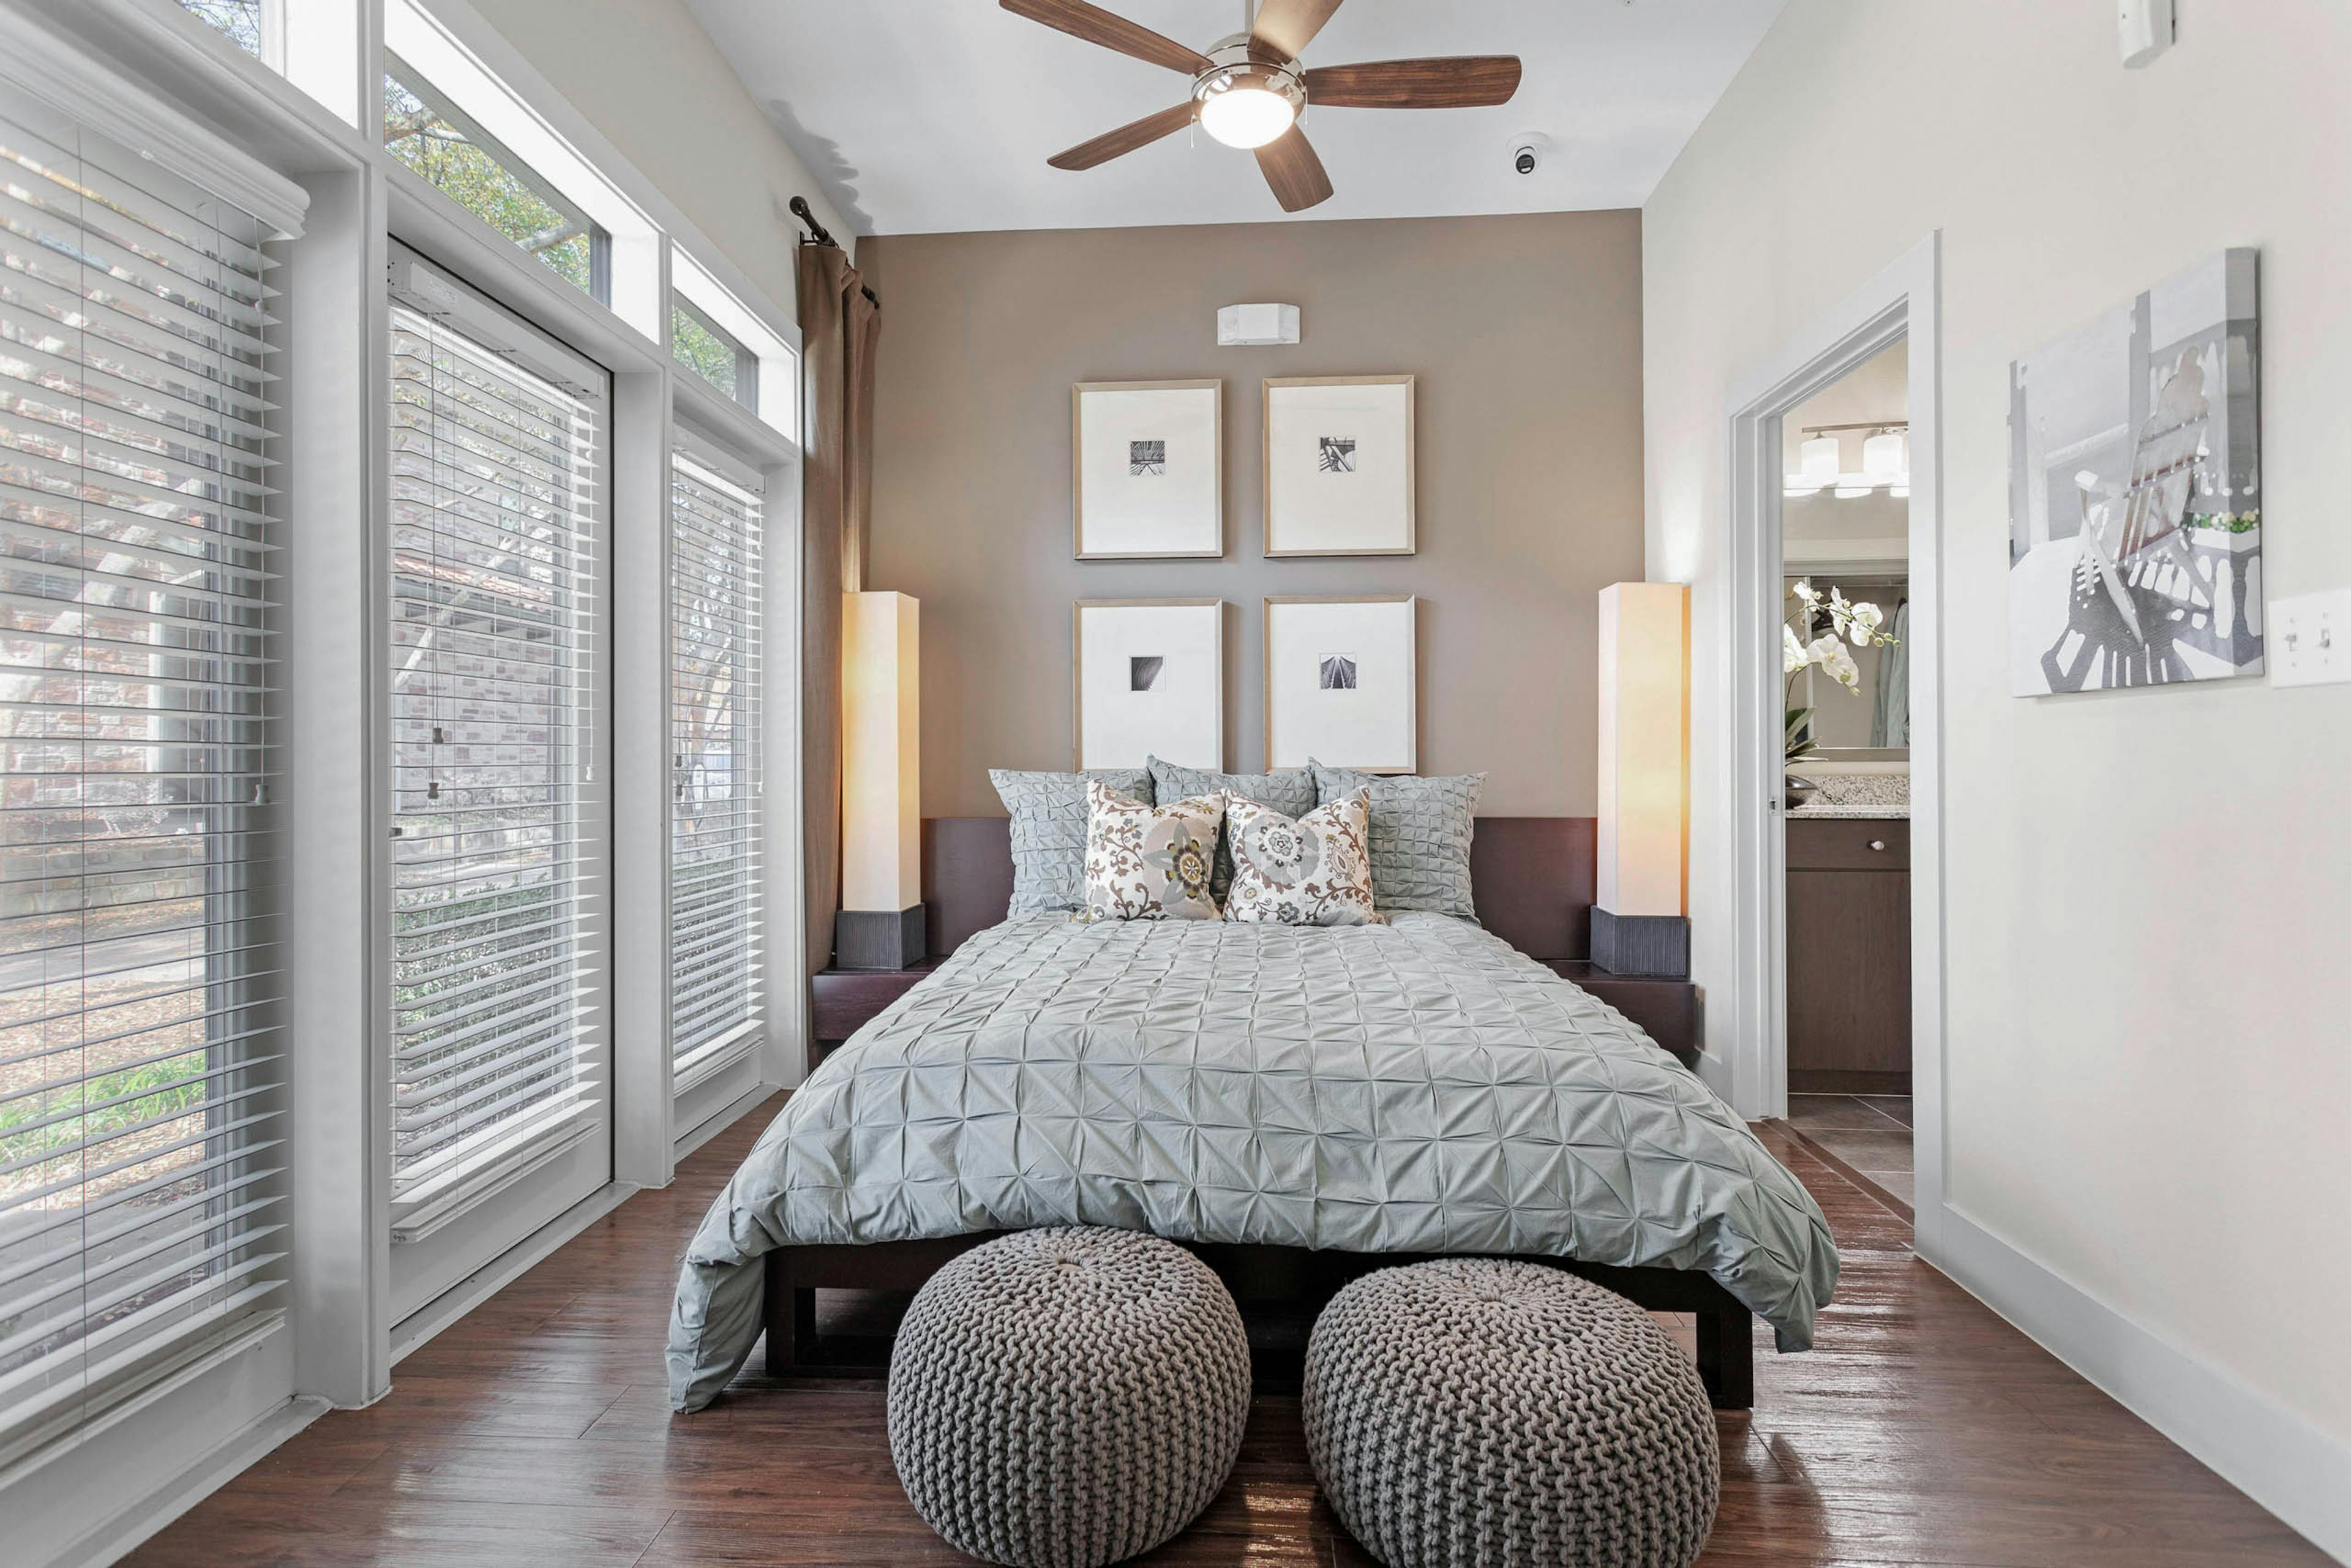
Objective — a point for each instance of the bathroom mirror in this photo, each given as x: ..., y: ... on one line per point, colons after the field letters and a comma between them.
x: 1845, y: 530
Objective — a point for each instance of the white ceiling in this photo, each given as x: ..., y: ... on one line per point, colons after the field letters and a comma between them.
x: 937, y: 116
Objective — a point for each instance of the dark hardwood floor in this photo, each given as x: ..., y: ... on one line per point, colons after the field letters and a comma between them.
x: 1922, y: 1431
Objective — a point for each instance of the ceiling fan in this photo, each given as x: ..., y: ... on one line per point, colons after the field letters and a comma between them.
x: 1248, y: 89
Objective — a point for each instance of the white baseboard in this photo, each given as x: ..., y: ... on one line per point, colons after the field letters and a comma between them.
x: 725, y: 1116
x: 420, y: 1325
x: 2271, y: 1453
x: 137, y: 1521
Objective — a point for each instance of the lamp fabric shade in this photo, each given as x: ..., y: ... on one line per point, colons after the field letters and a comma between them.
x: 1644, y: 748
x: 881, y: 774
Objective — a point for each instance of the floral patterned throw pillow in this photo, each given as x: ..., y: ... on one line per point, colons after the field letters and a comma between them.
x: 1314, y: 870
x: 1150, y: 863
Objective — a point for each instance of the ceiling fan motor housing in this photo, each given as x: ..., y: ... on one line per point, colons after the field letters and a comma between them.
x: 1235, y: 66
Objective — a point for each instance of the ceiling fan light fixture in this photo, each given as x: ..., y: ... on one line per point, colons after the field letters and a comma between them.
x: 1244, y: 111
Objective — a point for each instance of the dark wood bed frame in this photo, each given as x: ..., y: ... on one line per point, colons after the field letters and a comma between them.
x: 1533, y: 881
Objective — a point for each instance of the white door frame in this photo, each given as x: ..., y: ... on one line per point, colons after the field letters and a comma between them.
x: 1905, y: 301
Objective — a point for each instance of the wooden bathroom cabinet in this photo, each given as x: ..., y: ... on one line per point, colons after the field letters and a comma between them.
x: 1848, y: 956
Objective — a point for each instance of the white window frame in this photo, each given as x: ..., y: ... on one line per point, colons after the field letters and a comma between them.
x: 715, y: 460
x: 423, y: 1270
x: 422, y: 40
x: 778, y: 360
x: 216, y: 114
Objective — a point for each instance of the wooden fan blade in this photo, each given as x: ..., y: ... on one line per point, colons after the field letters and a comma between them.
x: 1096, y: 26
x: 1294, y: 171
x: 1458, y: 81
x: 1111, y: 144
x: 1287, y: 27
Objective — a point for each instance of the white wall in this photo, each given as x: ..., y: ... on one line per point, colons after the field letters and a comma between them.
x: 2149, y: 1064
x: 645, y: 74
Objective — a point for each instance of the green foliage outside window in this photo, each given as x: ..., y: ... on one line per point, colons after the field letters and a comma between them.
x: 239, y: 20
x: 453, y: 160
x: 706, y: 351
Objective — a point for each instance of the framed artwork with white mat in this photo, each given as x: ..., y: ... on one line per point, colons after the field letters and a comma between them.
x: 1147, y: 469
x: 1342, y: 678
x: 1339, y: 466
x: 1149, y: 680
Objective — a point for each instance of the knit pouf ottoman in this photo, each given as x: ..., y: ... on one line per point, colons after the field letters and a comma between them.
x: 1067, y: 1397
x: 1475, y: 1413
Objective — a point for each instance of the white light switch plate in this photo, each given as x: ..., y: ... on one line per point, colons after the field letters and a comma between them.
x: 2308, y: 639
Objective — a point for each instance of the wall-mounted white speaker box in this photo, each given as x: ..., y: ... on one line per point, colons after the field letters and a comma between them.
x: 1255, y: 326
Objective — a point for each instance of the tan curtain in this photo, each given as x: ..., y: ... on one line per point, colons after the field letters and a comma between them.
x: 839, y: 327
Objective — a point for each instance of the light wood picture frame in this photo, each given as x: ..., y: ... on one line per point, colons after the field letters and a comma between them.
x: 1342, y: 681
x: 1147, y: 470
x: 1341, y: 467
x: 1147, y: 678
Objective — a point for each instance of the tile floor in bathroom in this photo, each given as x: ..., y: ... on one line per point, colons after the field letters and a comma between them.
x: 1868, y: 1132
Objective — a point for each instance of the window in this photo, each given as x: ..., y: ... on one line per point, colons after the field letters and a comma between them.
x: 457, y: 158
x: 137, y: 1058
x: 714, y: 811
x: 712, y: 353
x: 240, y: 21
x: 727, y: 343
x: 495, y: 940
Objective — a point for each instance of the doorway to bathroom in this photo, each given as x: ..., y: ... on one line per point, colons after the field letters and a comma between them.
x: 1841, y: 888
x: 1844, y: 553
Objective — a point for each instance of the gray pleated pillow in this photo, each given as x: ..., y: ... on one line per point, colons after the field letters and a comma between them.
x: 1289, y: 791
x: 1049, y: 831
x: 1421, y: 830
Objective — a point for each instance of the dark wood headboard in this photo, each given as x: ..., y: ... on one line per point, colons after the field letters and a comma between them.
x: 1531, y: 876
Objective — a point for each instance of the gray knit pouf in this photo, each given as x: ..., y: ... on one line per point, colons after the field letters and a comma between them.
x: 1475, y: 1413
x: 1067, y: 1397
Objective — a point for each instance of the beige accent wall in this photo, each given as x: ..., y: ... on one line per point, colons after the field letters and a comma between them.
x: 1525, y: 334
x: 2148, y: 892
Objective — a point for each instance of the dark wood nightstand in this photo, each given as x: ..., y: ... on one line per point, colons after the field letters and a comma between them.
x: 843, y: 1001
x: 1667, y: 1008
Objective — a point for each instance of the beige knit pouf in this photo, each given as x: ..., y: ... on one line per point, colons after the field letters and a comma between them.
x: 1475, y: 1413
x: 1067, y: 1397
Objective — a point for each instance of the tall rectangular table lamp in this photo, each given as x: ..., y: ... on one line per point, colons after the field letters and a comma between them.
x: 1640, y: 917
x: 880, y: 922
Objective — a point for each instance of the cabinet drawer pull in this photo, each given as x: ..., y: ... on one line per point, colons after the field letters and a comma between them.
x: 1878, y: 844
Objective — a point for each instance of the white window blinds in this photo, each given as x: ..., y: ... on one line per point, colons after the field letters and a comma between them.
x: 138, y: 1059
x: 715, y: 699
x: 495, y: 905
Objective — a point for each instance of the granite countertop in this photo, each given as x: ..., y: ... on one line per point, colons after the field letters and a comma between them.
x: 1851, y: 811
x: 1882, y: 797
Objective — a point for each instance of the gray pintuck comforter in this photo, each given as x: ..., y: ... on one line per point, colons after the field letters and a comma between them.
x: 1413, y: 1087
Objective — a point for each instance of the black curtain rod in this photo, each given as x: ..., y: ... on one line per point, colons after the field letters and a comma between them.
x: 817, y: 231
x: 818, y: 234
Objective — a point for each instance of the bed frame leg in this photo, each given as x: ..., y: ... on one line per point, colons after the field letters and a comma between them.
x: 1726, y: 1354
x: 791, y: 1311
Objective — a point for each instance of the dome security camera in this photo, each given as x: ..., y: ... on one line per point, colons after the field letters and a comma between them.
x: 1522, y: 158
x: 1527, y: 151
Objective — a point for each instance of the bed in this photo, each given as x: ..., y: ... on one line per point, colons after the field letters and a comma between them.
x: 1296, y: 1104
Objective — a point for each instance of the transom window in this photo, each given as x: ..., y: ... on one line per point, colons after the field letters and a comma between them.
x: 240, y: 21
x: 452, y: 154
x: 712, y: 353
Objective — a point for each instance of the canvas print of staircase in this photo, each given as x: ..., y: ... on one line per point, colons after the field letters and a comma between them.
x: 2135, y: 506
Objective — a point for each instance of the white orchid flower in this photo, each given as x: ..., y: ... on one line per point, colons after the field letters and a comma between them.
x: 1792, y: 656
x: 1830, y: 655
x: 1804, y: 591
x: 1866, y: 619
